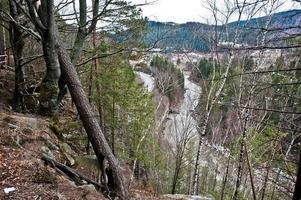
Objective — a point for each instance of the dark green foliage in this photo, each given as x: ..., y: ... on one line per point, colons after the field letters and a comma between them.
x: 169, y: 79
x: 127, y: 107
x: 248, y: 63
x: 204, y: 68
x: 265, y: 145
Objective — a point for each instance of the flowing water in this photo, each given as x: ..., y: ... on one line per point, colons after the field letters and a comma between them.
x: 147, y: 79
x: 181, y: 123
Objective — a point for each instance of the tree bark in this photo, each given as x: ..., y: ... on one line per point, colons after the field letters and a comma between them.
x: 197, y: 161
x: 239, y: 169
x: 175, y: 178
x: 43, y: 18
x: 49, y: 86
x: 250, y: 172
x: 225, y: 179
x: 52, y: 44
x: 196, y: 168
x: 82, y: 33
x: 297, y: 191
x: 89, y: 119
x: 17, y: 42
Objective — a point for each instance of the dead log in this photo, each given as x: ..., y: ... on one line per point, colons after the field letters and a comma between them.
x: 71, y: 173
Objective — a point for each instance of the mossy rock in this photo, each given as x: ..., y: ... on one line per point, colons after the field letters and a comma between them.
x: 57, y: 130
x: 88, y: 161
x: 68, y: 153
x: 48, y: 98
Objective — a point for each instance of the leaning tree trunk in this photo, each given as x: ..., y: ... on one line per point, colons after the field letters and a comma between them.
x: 82, y: 33
x: 52, y: 44
x: 74, y: 56
x: 89, y: 119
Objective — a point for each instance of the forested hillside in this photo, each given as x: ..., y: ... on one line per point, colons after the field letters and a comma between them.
x: 193, y: 36
x: 98, y: 102
x: 178, y: 37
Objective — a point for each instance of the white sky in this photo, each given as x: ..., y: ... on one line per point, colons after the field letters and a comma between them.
x: 181, y: 11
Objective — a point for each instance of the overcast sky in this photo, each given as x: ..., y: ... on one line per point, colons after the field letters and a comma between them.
x: 181, y: 11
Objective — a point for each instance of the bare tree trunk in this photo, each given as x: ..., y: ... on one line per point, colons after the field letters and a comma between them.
x: 3, y: 52
x: 17, y: 43
x: 75, y: 55
x: 94, y: 132
x: 182, y: 138
x: 244, y: 118
x: 214, y: 178
x: 90, y: 82
x: 197, y: 161
x: 250, y: 173
x: 239, y: 170
x: 265, y: 182
x: 196, y: 168
x: 175, y: 178
x: 49, y: 86
x: 43, y: 19
x: 225, y: 180
x: 297, y: 191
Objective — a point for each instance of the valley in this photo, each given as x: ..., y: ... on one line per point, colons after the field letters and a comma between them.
x: 102, y: 100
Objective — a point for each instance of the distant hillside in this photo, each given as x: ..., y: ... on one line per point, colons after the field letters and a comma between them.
x: 177, y: 37
x: 280, y: 25
x: 194, y: 36
x: 280, y: 20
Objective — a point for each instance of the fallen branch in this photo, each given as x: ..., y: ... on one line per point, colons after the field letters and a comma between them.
x: 71, y: 173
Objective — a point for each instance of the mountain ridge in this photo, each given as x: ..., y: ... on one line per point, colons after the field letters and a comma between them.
x: 193, y: 36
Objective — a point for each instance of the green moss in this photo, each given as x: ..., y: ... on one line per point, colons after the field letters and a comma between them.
x: 44, y: 177
x: 56, y: 129
x: 48, y: 98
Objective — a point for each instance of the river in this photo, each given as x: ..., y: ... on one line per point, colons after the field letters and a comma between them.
x: 181, y: 122
x: 181, y: 125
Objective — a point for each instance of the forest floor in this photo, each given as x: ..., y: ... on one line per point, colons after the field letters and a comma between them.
x: 23, y: 140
